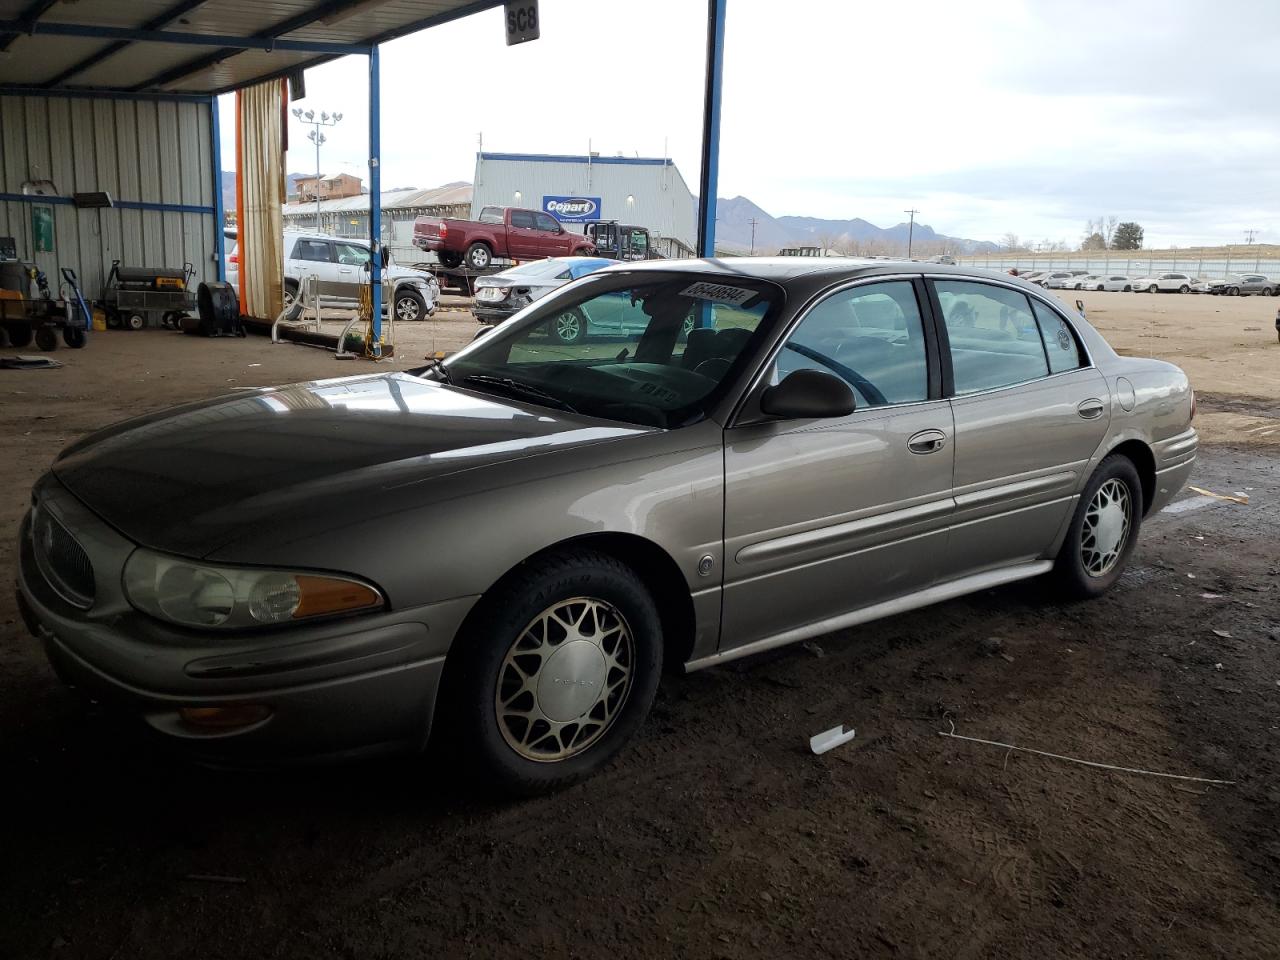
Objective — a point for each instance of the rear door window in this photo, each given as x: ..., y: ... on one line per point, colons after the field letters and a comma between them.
x: 995, y: 340
x: 316, y: 251
x: 1060, y: 344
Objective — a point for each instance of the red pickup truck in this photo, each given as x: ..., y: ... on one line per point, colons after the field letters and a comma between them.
x: 500, y: 232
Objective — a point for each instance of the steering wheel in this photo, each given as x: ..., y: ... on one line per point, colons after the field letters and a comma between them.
x: 865, y: 386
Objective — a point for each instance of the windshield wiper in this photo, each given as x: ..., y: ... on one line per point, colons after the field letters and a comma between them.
x: 435, y: 366
x: 520, y: 389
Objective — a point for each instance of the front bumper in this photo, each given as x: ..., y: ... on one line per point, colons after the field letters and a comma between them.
x: 344, y: 688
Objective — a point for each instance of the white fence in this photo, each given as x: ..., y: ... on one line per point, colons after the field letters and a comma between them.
x: 1209, y: 268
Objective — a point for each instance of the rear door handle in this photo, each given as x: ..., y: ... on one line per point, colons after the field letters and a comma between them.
x: 927, y: 441
x: 1090, y: 409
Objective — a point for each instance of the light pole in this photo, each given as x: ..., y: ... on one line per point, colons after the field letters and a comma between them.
x: 318, y: 138
x: 911, y: 229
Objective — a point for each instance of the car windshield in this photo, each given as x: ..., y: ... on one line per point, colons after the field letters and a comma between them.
x: 651, y: 348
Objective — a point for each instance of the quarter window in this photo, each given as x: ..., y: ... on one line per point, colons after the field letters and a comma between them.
x: 995, y: 340
x: 869, y: 336
x: 1059, y: 342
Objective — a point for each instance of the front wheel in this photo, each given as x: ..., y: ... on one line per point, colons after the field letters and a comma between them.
x: 74, y: 337
x: 569, y: 326
x: 557, y: 672
x: 134, y: 321
x: 1103, y: 530
x: 1233, y: 291
x: 1153, y: 289
x: 410, y: 305
x: 449, y: 260
x: 47, y: 338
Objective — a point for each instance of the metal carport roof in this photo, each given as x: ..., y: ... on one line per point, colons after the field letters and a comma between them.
x: 199, y: 47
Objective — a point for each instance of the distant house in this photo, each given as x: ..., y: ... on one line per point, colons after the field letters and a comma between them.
x: 328, y: 187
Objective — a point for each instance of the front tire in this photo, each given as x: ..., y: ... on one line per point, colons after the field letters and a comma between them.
x: 1153, y: 289
x: 555, y: 674
x: 410, y: 305
x: 568, y: 327
x: 449, y: 260
x: 1103, y: 530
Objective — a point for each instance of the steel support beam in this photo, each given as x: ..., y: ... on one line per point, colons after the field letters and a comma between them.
x: 709, y: 175
x: 375, y: 196
x: 27, y: 19
x: 130, y: 35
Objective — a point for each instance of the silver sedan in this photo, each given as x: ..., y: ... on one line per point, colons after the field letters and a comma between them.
x: 508, y: 546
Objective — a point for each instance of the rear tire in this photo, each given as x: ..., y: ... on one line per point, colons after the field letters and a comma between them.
x: 19, y: 334
x: 449, y: 260
x: 292, y: 305
x: 1266, y: 291
x: 134, y: 321
x: 1103, y: 530
x: 568, y: 327
x: 479, y: 256
x: 74, y: 337
x: 47, y: 338
x: 1184, y: 289
x: 554, y: 675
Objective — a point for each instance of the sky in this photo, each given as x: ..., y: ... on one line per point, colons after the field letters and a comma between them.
x: 989, y: 118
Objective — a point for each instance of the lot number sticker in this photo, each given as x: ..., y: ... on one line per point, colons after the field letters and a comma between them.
x: 522, y: 21
x: 719, y: 292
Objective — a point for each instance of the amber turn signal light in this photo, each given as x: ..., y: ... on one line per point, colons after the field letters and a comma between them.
x: 224, y: 718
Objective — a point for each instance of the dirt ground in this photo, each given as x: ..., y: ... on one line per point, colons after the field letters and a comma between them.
x: 717, y: 834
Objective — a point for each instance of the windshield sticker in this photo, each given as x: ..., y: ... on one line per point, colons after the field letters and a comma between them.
x: 719, y: 292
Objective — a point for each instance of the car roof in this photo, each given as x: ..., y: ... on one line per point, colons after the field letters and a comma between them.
x: 820, y: 270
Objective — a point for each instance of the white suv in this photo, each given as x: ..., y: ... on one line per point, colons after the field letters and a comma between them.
x: 338, y: 264
x: 1164, y: 283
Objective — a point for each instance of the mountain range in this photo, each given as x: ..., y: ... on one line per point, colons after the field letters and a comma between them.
x: 733, y: 233
x: 733, y: 230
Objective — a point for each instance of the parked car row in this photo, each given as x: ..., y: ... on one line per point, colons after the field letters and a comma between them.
x: 1233, y: 285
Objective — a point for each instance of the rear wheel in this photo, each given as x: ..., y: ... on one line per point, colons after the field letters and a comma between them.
x: 449, y: 260
x: 479, y: 256
x: 1128, y: 289
x: 19, y: 334
x: 47, y: 338
x: 291, y: 302
x: 556, y: 673
x: 1103, y: 530
x: 1266, y: 291
x: 74, y: 337
x: 134, y: 321
x: 1184, y: 289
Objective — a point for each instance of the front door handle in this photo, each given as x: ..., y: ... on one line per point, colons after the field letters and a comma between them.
x: 927, y: 441
x: 1090, y: 409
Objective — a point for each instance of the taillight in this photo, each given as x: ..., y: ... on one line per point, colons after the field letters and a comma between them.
x: 444, y: 228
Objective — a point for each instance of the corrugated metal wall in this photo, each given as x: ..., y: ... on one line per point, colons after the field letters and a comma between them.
x: 141, y: 152
x: 662, y: 201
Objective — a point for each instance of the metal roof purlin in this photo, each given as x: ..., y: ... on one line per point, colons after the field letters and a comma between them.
x: 155, y: 23
x: 28, y: 19
x: 191, y: 39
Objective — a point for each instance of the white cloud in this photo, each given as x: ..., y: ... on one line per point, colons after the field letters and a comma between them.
x: 987, y: 116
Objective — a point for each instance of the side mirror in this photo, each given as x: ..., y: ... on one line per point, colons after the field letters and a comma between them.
x: 808, y: 394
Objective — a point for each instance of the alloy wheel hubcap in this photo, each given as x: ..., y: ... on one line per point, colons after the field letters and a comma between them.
x: 1106, y: 528
x: 407, y: 309
x: 565, y: 679
x: 567, y: 326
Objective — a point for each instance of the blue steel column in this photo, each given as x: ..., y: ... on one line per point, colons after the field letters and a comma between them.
x: 375, y: 196
x: 710, y: 174
x: 219, y: 214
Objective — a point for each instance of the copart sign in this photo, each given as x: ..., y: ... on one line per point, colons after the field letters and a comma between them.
x: 572, y: 209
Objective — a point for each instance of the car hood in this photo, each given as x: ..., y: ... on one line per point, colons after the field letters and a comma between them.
x: 193, y: 479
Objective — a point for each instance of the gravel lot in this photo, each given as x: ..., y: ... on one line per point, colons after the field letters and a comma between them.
x: 718, y: 834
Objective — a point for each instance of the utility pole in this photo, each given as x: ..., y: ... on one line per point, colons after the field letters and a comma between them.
x: 318, y: 138
x: 752, y: 221
x: 911, y: 229
x: 1248, y: 235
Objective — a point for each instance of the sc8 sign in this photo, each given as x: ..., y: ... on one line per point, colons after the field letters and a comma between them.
x: 522, y: 21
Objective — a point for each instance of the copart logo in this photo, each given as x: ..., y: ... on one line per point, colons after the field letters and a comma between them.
x: 576, y: 208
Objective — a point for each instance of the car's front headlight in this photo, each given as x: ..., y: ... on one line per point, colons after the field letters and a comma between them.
x: 193, y: 594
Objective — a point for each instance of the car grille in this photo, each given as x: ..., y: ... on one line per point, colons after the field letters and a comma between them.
x: 62, y: 560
